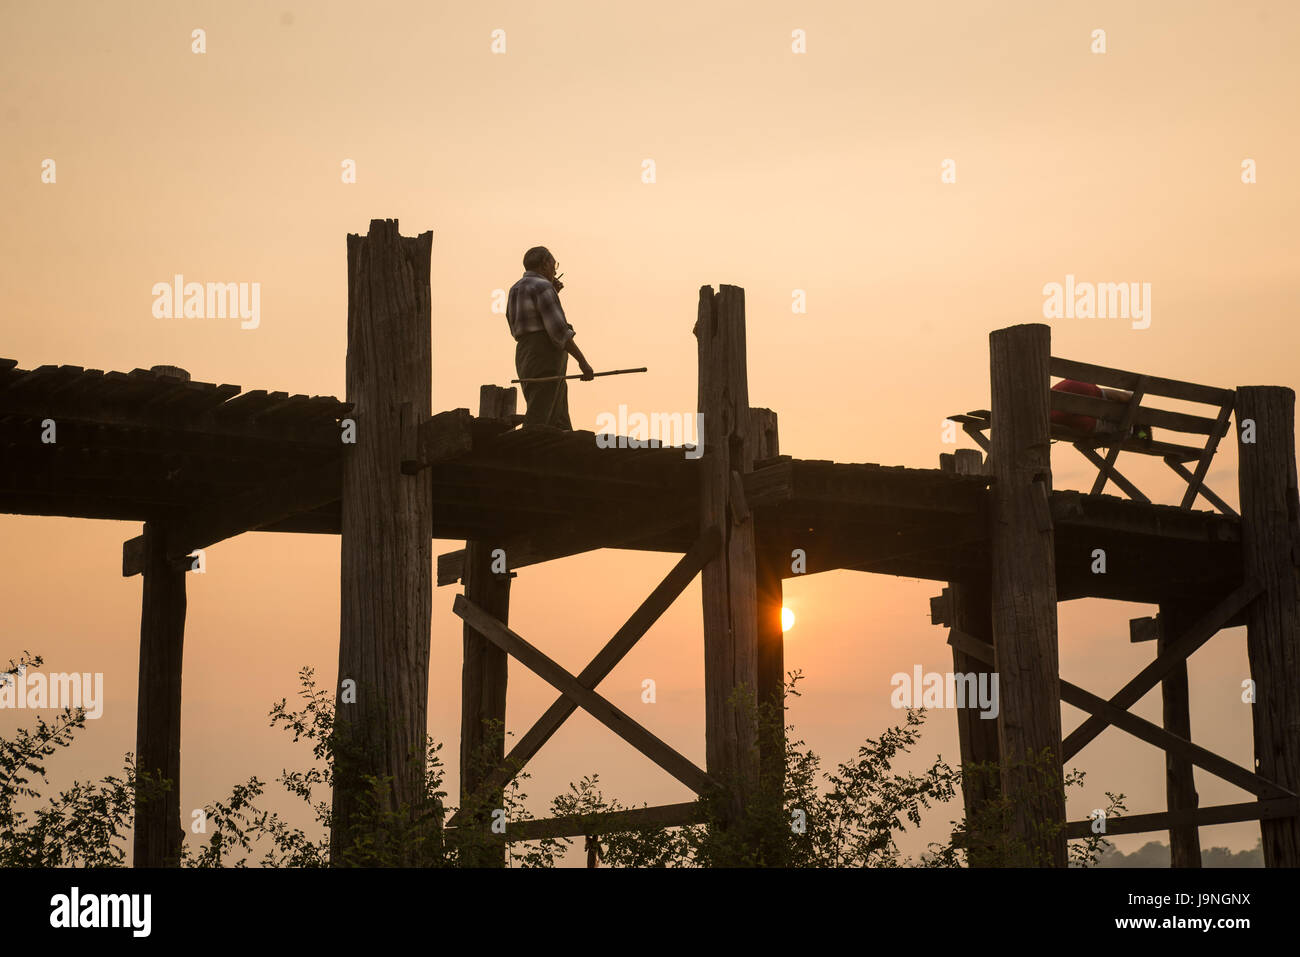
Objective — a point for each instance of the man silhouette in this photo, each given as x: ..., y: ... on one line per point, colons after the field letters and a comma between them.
x: 543, y: 341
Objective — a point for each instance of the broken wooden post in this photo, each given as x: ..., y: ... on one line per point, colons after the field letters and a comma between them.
x: 484, y: 667
x: 1270, y: 540
x: 969, y: 610
x: 1180, y: 783
x: 386, y: 553
x: 1024, y: 590
x: 729, y: 588
x: 158, y: 829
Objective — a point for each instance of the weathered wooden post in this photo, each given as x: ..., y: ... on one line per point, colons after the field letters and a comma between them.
x: 1024, y: 589
x: 1180, y: 783
x: 484, y: 668
x: 729, y: 588
x: 387, y: 534
x: 970, y: 611
x: 771, y: 558
x: 158, y: 829
x: 1270, y: 538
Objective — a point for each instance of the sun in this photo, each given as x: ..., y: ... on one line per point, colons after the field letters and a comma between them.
x: 787, y: 619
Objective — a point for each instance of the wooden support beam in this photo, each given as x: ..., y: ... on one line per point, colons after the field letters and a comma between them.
x: 1180, y: 782
x: 729, y: 581
x: 570, y: 538
x: 646, y: 614
x: 282, y: 499
x: 941, y: 608
x: 1179, y: 650
x: 483, y: 674
x: 1144, y: 629
x: 770, y: 558
x: 770, y: 485
x: 158, y: 829
x: 386, y: 551
x: 1146, y: 731
x: 484, y: 667
x: 1270, y: 544
x: 1024, y: 584
x: 969, y: 609
x: 925, y: 550
x: 439, y: 438
x: 762, y: 442
x: 612, y: 822
x: 1278, y: 809
x: 611, y: 717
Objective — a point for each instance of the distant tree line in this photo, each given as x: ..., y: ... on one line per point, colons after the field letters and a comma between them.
x: 1156, y: 854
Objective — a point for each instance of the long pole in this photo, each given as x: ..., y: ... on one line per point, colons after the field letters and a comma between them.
x: 557, y: 378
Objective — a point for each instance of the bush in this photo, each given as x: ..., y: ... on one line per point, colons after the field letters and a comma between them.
x: 797, y: 815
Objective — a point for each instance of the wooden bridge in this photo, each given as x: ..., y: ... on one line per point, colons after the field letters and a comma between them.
x: 198, y: 463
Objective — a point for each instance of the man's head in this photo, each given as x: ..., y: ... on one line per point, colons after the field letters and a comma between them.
x: 539, y: 260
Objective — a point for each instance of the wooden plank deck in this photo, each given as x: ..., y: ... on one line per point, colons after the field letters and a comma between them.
x: 138, y: 446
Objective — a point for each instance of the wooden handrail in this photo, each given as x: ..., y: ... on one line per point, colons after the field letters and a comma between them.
x: 1119, y: 379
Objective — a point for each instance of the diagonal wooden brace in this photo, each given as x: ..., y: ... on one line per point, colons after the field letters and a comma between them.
x: 1198, y: 634
x: 1112, y: 473
x: 1198, y: 487
x: 594, y: 704
x: 1140, y: 728
x: 1196, y: 481
x: 649, y: 611
x: 1125, y: 426
x: 980, y: 439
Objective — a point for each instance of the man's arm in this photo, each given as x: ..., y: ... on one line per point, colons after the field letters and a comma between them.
x: 558, y: 328
x: 588, y: 373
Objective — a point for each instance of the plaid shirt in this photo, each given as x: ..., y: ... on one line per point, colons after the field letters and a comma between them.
x: 534, y: 306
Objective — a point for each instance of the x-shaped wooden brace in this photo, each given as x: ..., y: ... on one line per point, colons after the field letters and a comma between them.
x: 578, y: 691
x: 1115, y: 711
x: 1106, y: 467
x: 1196, y: 480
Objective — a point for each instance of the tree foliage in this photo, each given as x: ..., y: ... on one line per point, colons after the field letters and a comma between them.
x: 798, y: 815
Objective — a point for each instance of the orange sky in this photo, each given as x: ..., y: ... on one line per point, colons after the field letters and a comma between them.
x: 775, y: 172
